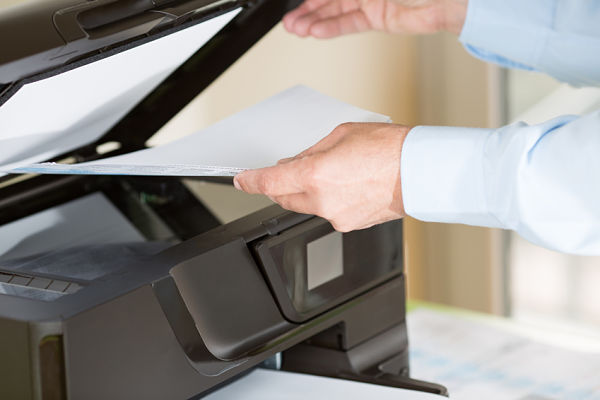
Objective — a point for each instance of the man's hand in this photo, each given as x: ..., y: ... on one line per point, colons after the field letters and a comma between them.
x: 351, y: 177
x: 329, y: 18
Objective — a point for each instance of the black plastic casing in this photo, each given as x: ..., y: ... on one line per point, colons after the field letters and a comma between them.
x: 41, y: 38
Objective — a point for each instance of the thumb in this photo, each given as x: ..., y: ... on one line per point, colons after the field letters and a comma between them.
x: 279, y: 180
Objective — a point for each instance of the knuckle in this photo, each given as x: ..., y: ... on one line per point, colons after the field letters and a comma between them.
x: 341, y: 226
x: 336, y: 225
x: 283, y: 203
x: 314, y: 174
x: 346, y: 126
x: 263, y: 184
x: 310, y: 177
x: 323, y: 210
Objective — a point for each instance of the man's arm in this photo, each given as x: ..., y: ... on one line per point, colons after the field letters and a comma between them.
x: 541, y: 181
x: 558, y: 37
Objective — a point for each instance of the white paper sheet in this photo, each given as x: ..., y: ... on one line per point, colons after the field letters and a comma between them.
x: 90, y: 220
x: 277, y: 385
x: 52, y: 116
x: 476, y: 361
x: 281, y: 126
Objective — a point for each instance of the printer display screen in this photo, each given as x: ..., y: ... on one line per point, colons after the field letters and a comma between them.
x: 321, y: 268
x: 324, y: 259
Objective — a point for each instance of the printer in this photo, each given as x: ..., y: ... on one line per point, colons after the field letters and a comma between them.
x: 127, y: 287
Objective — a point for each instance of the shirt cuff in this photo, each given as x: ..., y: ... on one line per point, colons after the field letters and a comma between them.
x: 512, y: 33
x: 442, y: 175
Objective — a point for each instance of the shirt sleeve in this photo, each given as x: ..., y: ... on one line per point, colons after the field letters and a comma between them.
x: 557, y: 37
x: 542, y: 181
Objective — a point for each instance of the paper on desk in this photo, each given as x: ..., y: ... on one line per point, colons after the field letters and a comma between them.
x: 281, y: 126
x: 476, y: 361
x: 277, y: 385
x: 52, y: 116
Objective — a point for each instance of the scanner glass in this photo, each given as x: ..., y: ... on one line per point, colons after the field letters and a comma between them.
x: 48, y: 254
x: 61, y: 249
x: 90, y: 220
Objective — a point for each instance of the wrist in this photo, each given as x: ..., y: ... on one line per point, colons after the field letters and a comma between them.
x: 398, y: 196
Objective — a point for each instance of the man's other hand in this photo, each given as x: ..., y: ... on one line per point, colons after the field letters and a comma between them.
x: 330, y: 18
x: 351, y: 177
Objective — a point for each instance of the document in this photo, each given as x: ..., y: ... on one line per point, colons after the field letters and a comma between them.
x: 49, y: 117
x: 259, y: 136
x: 83, y: 239
x: 89, y: 220
x: 476, y: 360
x: 265, y: 384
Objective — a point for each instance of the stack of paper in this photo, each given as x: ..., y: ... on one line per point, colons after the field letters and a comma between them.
x: 281, y: 126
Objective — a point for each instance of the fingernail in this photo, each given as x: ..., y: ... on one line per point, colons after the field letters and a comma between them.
x: 236, y: 184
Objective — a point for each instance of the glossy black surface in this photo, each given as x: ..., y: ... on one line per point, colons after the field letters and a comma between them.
x: 370, y: 257
x: 44, y: 37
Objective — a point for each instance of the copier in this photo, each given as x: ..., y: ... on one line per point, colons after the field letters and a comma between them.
x: 121, y: 287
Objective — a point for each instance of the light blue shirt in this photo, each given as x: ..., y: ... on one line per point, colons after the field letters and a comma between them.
x: 543, y: 181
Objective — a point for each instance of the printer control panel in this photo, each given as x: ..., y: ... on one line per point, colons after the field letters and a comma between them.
x: 243, y: 284
x: 312, y: 268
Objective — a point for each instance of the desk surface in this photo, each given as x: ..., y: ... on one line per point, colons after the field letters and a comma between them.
x: 588, y: 342
x: 478, y: 356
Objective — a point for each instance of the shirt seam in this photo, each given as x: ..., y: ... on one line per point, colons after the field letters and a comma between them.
x: 486, y: 182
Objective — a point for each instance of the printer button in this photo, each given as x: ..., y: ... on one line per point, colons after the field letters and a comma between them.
x: 72, y: 288
x: 58, y: 286
x: 20, y: 280
x: 40, y: 283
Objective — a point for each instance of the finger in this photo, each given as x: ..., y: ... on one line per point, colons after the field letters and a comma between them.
x: 304, y: 8
x: 351, y: 22
x: 286, y: 160
x: 272, y: 181
x: 299, y: 202
x: 324, y: 144
x: 301, y: 26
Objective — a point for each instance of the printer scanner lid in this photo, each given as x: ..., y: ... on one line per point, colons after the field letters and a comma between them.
x: 75, y: 74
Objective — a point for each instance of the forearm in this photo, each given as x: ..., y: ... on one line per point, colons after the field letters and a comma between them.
x: 541, y: 181
x: 557, y: 37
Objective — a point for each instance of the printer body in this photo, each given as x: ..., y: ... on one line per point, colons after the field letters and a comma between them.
x: 131, y: 287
